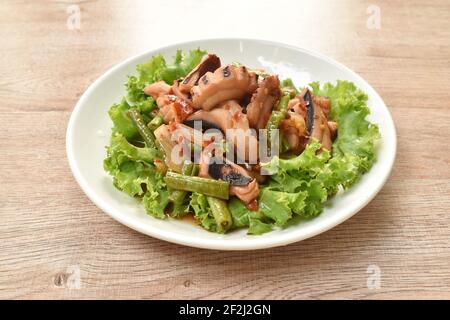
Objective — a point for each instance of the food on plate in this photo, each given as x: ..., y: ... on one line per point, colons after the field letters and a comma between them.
x: 236, y: 147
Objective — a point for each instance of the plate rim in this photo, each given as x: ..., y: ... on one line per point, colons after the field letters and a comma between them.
x: 218, y: 244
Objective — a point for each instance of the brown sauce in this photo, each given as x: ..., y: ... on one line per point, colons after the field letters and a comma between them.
x: 189, y: 218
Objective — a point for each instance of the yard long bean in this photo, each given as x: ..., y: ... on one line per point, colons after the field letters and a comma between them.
x: 156, y: 122
x: 277, y: 116
x: 208, y: 187
x: 177, y: 196
x: 144, y: 131
x: 221, y: 214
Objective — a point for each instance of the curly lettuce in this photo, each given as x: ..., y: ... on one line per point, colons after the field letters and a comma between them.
x: 134, y: 173
x: 255, y: 221
x: 202, y: 211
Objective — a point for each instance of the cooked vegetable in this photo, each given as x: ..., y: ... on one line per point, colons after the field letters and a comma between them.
x: 279, y: 113
x: 288, y: 87
x: 178, y: 196
x: 209, y: 187
x: 155, y: 122
x: 144, y: 131
x: 133, y: 172
x: 276, y: 117
x: 202, y: 211
x: 221, y: 214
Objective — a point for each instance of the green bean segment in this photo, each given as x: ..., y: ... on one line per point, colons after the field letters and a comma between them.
x: 144, y: 131
x: 178, y: 196
x: 155, y: 122
x: 277, y: 116
x: 221, y: 214
x: 208, y: 187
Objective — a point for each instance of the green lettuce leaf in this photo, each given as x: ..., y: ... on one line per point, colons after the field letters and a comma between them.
x: 308, y: 161
x: 133, y: 172
x: 180, y: 210
x: 202, y: 211
x: 121, y: 120
x: 257, y: 227
x: 256, y: 222
x: 156, y: 198
x: 278, y: 205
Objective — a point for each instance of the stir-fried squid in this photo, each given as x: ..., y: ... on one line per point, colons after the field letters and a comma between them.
x: 235, y: 146
x: 235, y: 101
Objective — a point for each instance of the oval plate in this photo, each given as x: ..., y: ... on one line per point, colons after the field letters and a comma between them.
x: 89, y: 130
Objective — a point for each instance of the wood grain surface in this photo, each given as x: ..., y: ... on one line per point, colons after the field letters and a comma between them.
x: 51, y: 235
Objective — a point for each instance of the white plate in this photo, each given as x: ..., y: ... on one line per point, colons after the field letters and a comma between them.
x: 89, y: 130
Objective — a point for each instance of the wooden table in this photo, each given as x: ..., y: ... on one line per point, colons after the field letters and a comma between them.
x: 54, y: 243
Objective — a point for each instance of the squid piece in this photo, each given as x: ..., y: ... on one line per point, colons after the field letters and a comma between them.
x: 209, y: 64
x: 324, y: 103
x: 317, y: 124
x: 174, y: 109
x: 157, y: 89
x: 263, y: 101
x: 182, y: 87
x: 171, y: 107
x: 294, y: 126
x: 242, y: 184
x: 164, y: 137
x: 226, y: 83
x: 248, y: 193
x: 333, y: 126
x: 306, y: 120
x: 230, y: 119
